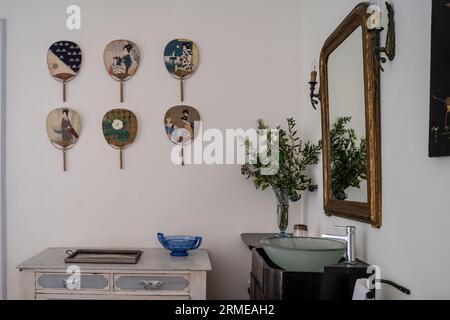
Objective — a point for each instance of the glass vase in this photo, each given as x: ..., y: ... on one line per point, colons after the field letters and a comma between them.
x: 282, y: 211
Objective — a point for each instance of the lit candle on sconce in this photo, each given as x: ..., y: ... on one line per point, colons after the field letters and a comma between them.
x: 374, y: 20
x: 313, y: 77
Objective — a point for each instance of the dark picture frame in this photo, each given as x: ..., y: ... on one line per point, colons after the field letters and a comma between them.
x: 439, y: 131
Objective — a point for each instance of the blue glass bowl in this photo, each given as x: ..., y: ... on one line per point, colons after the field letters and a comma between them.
x: 179, y: 245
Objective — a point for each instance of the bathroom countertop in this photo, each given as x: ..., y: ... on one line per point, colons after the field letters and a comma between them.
x: 252, y: 240
x: 343, y: 267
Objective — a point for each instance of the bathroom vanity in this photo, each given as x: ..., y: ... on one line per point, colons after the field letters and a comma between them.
x: 270, y: 282
x: 156, y: 276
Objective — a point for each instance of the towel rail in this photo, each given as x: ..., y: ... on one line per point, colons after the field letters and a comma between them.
x: 371, y: 294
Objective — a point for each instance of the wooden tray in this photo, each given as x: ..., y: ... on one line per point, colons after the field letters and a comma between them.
x: 101, y: 256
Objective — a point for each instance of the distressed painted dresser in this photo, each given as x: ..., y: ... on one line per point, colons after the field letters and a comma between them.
x: 156, y: 276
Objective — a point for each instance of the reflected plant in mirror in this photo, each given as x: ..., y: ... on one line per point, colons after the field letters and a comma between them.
x: 290, y: 179
x: 348, y: 159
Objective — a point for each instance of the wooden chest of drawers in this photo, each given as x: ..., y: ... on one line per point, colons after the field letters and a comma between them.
x: 156, y: 276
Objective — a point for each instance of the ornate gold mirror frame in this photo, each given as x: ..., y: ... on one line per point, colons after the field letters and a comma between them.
x: 368, y: 212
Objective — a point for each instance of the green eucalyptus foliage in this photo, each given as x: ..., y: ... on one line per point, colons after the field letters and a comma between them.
x: 348, y: 158
x: 295, y: 157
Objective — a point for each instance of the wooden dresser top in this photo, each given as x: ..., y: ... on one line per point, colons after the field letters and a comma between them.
x: 151, y: 260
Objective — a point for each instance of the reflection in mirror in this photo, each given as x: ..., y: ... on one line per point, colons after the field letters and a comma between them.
x: 347, y: 121
x: 348, y: 163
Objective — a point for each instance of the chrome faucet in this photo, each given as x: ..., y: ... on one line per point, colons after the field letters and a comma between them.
x: 349, y: 238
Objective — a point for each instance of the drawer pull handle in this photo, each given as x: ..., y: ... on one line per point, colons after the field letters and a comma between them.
x: 151, y: 284
x: 71, y: 283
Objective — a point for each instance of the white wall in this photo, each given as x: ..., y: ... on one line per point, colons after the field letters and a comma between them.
x: 412, y: 245
x: 249, y: 68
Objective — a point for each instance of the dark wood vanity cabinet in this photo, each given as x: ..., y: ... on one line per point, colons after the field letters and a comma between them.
x: 270, y: 282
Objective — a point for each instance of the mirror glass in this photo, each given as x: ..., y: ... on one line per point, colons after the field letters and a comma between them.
x: 347, y: 121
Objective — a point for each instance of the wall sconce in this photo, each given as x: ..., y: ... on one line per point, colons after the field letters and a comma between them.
x: 375, y: 28
x: 315, y: 98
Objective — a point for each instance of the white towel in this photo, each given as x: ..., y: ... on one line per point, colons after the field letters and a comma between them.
x: 361, y: 290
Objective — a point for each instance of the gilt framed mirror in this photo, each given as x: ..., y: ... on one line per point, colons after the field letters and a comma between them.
x: 350, y: 96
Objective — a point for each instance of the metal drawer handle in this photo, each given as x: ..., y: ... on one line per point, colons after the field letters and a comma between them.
x: 151, y: 284
x: 71, y: 283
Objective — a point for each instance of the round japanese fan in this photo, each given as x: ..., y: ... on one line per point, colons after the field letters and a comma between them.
x: 63, y: 129
x: 119, y: 129
x: 181, y: 58
x: 179, y: 125
x: 121, y: 58
x: 64, y: 62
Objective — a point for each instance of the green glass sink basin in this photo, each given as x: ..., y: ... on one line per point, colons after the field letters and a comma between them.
x: 304, y: 254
